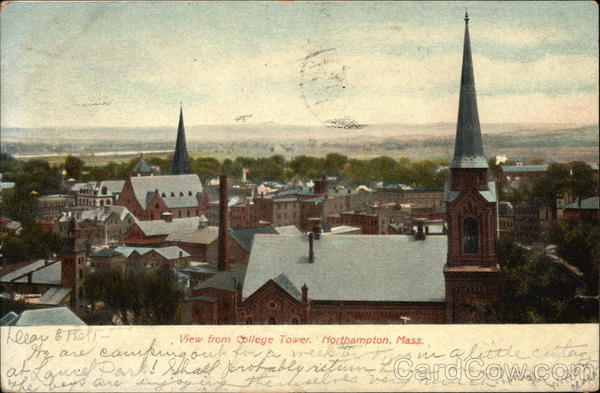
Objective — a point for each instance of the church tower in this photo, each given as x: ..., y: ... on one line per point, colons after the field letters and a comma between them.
x: 471, y: 270
x: 181, y: 163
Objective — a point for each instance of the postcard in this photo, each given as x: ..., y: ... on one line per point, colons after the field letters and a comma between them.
x: 302, y: 196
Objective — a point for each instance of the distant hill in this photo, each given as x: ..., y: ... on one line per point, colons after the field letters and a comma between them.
x: 517, y: 141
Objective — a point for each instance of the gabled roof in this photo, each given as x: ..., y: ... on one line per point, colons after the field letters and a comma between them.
x: 452, y: 195
x: 180, y: 185
x: 288, y: 230
x: 106, y: 252
x: 352, y: 268
x: 244, y: 236
x: 9, y: 319
x: 41, y: 272
x: 588, y: 204
x: 162, y: 227
x: 285, y: 284
x: 205, y: 235
x: 171, y: 252
x: 141, y: 166
x: 226, y: 280
x: 54, y: 296
x: 48, y: 316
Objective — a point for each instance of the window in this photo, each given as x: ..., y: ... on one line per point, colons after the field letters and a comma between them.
x: 80, y: 273
x: 189, y: 193
x: 248, y: 321
x: 272, y: 321
x: 295, y: 321
x: 470, y: 240
x: 80, y: 294
x: 180, y: 193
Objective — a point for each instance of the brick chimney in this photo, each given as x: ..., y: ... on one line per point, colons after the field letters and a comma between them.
x: 167, y: 216
x: 304, y: 294
x: 315, y: 223
x: 311, y: 247
x: 223, y: 262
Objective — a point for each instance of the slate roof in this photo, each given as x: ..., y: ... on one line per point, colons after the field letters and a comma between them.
x: 352, y: 268
x: 106, y: 252
x: 100, y: 214
x: 205, y: 235
x: 524, y: 168
x: 451, y: 195
x: 162, y: 227
x: 245, y: 236
x: 288, y: 230
x: 179, y: 185
x: 39, y: 270
x: 54, y: 296
x: 226, y: 280
x: 141, y: 166
x: 9, y: 319
x: 48, y: 316
x: 171, y: 252
x: 343, y: 229
x: 285, y: 284
x: 589, y: 203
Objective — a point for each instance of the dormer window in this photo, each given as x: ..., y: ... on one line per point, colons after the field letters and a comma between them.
x: 189, y: 193
x: 172, y: 194
x: 180, y: 193
x: 163, y: 195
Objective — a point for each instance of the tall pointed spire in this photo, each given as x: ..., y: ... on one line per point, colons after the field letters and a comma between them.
x: 468, y: 148
x: 181, y: 162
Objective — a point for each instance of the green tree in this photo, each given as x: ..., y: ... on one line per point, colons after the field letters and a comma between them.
x: 74, y: 166
x: 584, y: 180
x: 534, y: 289
x: 554, y: 183
x: 137, y: 296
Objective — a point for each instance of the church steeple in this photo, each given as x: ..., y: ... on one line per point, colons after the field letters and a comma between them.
x: 468, y: 148
x: 471, y: 270
x: 181, y: 163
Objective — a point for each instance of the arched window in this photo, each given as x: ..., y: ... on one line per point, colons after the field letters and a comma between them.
x: 248, y: 321
x: 470, y: 240
x: 272, y: 321
x: 295, y: 321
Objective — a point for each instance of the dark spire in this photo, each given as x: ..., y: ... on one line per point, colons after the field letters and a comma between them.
x: 468, y: 148
x: 181, y: 162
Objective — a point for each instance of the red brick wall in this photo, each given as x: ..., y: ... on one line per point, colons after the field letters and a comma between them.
x: 271, y: 301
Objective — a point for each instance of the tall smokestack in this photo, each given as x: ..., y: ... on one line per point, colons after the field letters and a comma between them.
x: 223, y: 258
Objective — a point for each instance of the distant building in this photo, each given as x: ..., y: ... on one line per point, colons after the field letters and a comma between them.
x: 142, y: 168
x: 50, y: 207
x: 100, y: 193
x: 155, y: 232
x: 148, y: 197
x: 585, y: 210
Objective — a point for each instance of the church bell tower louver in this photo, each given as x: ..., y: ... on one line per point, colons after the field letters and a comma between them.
x: 181, y: 162
x: 471, y: 270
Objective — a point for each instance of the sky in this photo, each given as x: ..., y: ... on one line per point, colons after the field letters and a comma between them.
x: 103, y: 64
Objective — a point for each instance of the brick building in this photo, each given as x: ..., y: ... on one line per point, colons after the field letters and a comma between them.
x: 99, y: 193
x: 155, y: 232
x: 148, y: 197
x: 585, y: 210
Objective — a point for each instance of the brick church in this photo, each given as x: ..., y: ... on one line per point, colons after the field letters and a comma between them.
x: 317, y: 279
x: 179, y: 195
